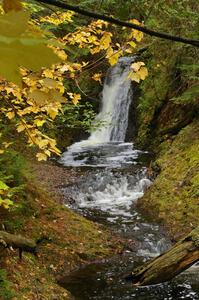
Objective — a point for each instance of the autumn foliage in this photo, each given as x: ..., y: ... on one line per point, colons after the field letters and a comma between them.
x: 36, y: 63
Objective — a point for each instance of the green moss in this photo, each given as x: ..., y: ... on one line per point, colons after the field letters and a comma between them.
x: 6, y: 291
x: 174, y: 196
x: 161, y: 109
x: 13, y: 225
x: 195, y: 236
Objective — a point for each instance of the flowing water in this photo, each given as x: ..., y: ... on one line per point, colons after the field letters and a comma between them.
x: 113, y: 177
x: 105, y: 147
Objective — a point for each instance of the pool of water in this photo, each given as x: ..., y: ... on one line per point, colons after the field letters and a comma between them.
x: 105, y: 282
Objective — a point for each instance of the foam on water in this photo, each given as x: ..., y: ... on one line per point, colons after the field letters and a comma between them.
x: 114, y: 155
x: 111, y: 196
x: 110, y: 191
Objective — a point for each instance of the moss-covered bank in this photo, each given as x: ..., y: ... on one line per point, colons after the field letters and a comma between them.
x: 168, y: 125
x: 174, y: 196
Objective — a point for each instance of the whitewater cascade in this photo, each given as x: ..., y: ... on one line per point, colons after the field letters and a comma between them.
x: 106, y: 145
x: 116, y: 99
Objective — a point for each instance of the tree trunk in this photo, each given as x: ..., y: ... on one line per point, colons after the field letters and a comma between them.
x: 166, y: 266
x: 18, y: 242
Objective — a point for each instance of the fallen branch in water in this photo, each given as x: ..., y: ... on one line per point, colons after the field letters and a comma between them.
x: 166, y: 266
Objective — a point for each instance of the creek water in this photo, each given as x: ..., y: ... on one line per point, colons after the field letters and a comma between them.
x: 113, y: 176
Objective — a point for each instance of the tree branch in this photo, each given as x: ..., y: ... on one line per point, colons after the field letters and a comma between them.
x: 118, y: 22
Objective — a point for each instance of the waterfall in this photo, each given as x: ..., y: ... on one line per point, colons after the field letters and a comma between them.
x: 106, y: 145
x: 116, y: 100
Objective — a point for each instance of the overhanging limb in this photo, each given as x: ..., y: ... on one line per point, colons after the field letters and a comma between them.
x: 118, y: 22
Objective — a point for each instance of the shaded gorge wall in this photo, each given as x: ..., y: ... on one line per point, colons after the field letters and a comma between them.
x: 168, y: 124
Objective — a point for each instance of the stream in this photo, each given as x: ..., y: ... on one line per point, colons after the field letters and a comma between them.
x: 113, y: 176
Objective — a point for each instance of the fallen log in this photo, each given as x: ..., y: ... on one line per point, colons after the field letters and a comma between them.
x: 166, y: 266
x: 18, y: 242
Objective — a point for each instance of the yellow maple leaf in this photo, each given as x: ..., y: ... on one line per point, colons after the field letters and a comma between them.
x: 143, y: 73
x: 137, y: 65
x: 21, y: 127
x: 52, y: 112
x: 39, y: 122
x: 2, y: 151
x: 18, y: 45
x: 10, y: 115
x: 41, y: 156
x: 49, y: 83
x: 128, y: 50
x: 132, y: 44
x: 58, y: 18
x: 76, y: 98
x: 134, y: 76
x: 113, y: 59
x: 92, y: 39
x: 39, y: 97
x: 48, y: 73
x: 95, y: 50
x: 105, y: 41
x: 47, y: 152
x: 97, y: 77
x: 138, y: 72
x: 136, y: 34
x: 42, y: 143
x: 99, y: 23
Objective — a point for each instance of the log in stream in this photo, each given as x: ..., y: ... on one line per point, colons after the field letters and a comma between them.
x: 166, y: 266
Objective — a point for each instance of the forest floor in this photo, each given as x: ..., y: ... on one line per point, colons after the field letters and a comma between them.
x: 71, y: 240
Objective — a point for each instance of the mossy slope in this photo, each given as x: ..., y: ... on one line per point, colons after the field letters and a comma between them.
x: 174, y: 196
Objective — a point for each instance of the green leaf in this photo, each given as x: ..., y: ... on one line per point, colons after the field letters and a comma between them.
x: 6, y: 203
x: 3, y: 186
